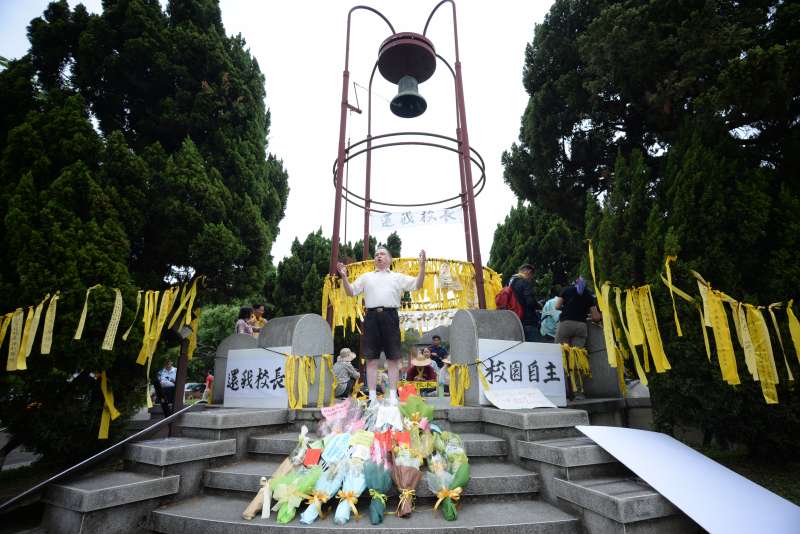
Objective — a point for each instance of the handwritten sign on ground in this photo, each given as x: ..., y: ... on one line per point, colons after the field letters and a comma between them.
x: 513, y: 365
x: 255, y: 378
x: 517, y: 399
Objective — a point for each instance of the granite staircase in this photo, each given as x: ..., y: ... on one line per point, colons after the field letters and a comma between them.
x: 532, y: 473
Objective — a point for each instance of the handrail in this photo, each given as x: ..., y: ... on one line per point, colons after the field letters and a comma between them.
x: 99, y: 456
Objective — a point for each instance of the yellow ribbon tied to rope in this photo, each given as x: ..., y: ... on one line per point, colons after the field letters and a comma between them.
x: 15, y: 338
x: 765, y: 361
x: 794, y: 329
x: 452, y: 494
x: 352, y: 500
x: 82, y: 321
x: 49, y: 321
x: 113, y: 323
x: 778, y: 335
x: 109, y: 410
x: 135, y: 314
x: 292, y: 367
x: 29, y: 334
x: 459, y: 383
x: 669, y: 260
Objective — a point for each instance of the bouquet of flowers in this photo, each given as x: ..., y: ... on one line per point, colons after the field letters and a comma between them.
x: 406, y: 475
x: 292, y: 489
x: 377, y: 473
x: 263, y: 499
x: 352, y: 488
x: 448, y: 473
x: 326, y: 487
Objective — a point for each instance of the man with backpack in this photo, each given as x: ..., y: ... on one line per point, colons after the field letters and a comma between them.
x: 518, y: 297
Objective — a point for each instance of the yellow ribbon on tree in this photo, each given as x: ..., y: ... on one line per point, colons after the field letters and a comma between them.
x: 352, y: 500
x: 459, y: 383
x: 82, y: 321
x: 49, y: 321
x: 110, y: 412
x: 113, y: 323
x: 446, y: 493
x: 15, y: 338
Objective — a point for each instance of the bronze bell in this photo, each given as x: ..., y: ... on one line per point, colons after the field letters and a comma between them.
x: 408, y: 103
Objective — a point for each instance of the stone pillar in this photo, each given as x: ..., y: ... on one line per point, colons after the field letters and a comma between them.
x: 470, y: 325
x: 306, y: 335
x: 604, y: 383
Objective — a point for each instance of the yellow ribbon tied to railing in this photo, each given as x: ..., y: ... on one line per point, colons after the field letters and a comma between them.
x: 109, y: 410
x: 459, y: 383
x: 453, y: 494
x: 352, y: 500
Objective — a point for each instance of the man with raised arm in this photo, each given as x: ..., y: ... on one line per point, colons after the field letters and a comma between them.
x: 382, y: 290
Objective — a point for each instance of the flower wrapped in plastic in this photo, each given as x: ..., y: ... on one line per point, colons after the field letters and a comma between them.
x: 450, y: 445
x: 292, y: 489
x: 353, y: 486
x: 377, y: 473
x: 263, y: 499
x: 343, y: 417
x: 417, y: 411
x: 325, y: 489
x: 406, y: 475
x: 447, y: 486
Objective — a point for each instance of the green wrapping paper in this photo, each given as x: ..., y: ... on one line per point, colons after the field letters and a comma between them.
x: 379, y: 481
x: 445, y: 500
x: 292, y: 489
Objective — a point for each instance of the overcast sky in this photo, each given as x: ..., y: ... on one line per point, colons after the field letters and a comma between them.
x: 300, y: 49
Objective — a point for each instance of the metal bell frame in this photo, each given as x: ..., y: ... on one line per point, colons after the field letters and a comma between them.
x: 460, y: 145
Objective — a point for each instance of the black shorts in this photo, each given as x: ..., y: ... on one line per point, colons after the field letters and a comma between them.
x: 381, y: 333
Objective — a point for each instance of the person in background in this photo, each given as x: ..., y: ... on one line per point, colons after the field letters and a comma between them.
x: 257, y: 320
x: 550, y: 318
x: 576, y: 304
x: 522, y: 285
x: 207, y: 393
x: 421, y: 370
x: 346, y: 375
x: 243, y: 322
x: 444, y: 375
x: 437, y: 351
x: 167, y: 377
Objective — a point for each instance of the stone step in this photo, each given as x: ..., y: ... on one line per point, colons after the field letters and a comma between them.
x: 491, y: 478
x: 283, y: 443
x: 535, y: 419
x: 223, y: 515
x: 624, y: 500
x: 104, y: 490
x: 565, y: 452
x: 229, y: 418
x: 169, y: 451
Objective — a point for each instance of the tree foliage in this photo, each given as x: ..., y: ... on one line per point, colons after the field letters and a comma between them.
x: 133, y: 153
x: 659, y: 128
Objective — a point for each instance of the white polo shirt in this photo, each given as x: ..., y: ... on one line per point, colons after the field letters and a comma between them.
x: 383, y: 288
